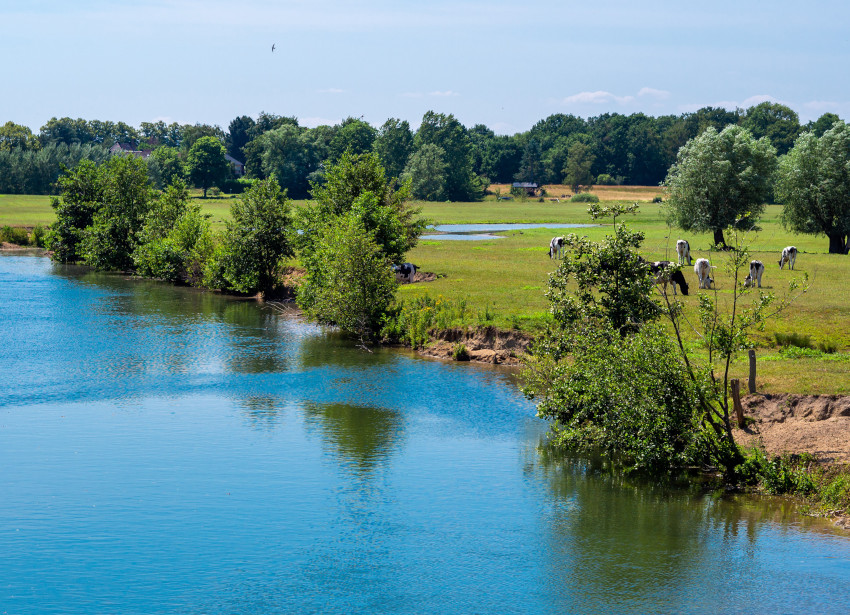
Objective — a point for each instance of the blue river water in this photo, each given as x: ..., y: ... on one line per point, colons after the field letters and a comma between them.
x: 166, y: 450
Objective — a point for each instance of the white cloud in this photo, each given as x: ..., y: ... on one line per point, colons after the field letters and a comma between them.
x: 446, y: 93
x: 597, y: 98
x: 757, y: 99
x: 659, y: 94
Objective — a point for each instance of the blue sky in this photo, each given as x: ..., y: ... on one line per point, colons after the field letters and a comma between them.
x: 506, y: 64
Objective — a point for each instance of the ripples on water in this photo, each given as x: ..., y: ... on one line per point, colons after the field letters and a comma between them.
x: 164, y: 450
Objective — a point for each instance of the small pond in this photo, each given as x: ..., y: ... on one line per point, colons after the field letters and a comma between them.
x: 165, y: 450
x: 478, y: 232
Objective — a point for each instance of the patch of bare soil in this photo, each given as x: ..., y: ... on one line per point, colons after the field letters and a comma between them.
x: 13, y: 247
x: 484, y: 345
x: 785, y: 423
x: 419, y: 276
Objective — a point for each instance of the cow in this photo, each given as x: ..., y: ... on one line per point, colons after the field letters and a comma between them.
x: 556, y: 247
x: 663, y: 276
x: 406, y: 271
x: 683, y: 251
x: 703, y: 270
x: 789, y: 255
x: 756, y: 271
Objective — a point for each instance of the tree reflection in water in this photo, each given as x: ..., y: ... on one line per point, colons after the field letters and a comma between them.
x: 361, y: 438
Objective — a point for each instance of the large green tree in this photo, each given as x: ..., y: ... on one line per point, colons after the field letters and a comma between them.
x: 394, y: 145
x: 775, y: 121
x: 206, y: 163
x: 720, y: 180
x: 257, y: 239
x: 352, y: 135
x: 14, y: 136
x: 814, y: 186
x: 426, y: 172
x: 578, y: 169
x: 446, y: 132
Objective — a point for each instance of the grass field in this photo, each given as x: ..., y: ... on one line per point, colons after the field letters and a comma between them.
x: 506, y: 277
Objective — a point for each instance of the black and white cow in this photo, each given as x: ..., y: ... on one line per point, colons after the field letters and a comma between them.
x: 756, y: 271
x: 703, y: 270
x: 789, y: 255
x: 683, y: 251
x: 663, y: 276
x: 405, y: 271
x: 556, y: 247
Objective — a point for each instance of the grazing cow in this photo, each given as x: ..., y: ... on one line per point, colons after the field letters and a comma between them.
x: 703, y: 270
x: 664, y: 277
x: 756, y: 269
x: 405, y: 271
x: 683, y: 251
x: 556, y: 247
x: 789, y: 255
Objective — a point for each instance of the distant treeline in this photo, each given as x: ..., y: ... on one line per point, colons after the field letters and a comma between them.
x: 443, y: 159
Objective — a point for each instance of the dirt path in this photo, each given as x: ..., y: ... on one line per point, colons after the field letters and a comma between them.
x: 785, y: 423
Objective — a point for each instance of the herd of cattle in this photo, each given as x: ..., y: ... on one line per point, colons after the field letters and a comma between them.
x: 702, y: 267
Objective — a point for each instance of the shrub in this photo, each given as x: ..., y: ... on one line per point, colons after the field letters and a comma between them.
x: 411, y: 322
x: 460, y: 353
x: 793, y: 339
x: 657, y: 199
x: 828, y: 347
x: 584, y: 197
x: 215, y: 192
x: 39, y: 236
x: 606, y: 180
x: 16, y: 235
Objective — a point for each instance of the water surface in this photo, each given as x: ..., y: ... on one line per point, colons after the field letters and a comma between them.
x: 479, y: 232
x: 164, y: 450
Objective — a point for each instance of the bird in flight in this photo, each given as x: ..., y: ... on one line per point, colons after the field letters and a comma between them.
x: 272, y: 47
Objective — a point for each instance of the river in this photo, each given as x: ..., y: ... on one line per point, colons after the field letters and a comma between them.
x: 166, y: 450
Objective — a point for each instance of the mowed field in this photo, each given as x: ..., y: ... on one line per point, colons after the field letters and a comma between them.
x: 505, y: 278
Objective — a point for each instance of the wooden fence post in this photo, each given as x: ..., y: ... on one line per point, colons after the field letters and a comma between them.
x: 736, y: 401
x: 752, y: 383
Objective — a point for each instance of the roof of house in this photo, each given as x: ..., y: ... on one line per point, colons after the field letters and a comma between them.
x: 233, y: 160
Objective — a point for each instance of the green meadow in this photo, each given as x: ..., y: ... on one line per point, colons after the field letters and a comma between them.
x: 503, y: 280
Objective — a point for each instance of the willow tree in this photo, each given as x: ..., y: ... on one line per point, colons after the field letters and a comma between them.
x: 814, y: 186
x: 720, y: 180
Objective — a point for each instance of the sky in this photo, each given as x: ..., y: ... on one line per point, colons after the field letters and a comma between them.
x: 505, y: 64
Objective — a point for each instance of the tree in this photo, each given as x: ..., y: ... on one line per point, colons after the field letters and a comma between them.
x: 531, y: 164
x: 257, y: 239
x: 206, y: 163
x: 82, y: 195
x: 169, y: 165
x: 14, y: 136
x: 775, y: 121
x: 175, y: 241
x: 823, y: 123
x: 288, y: 155
x: 814, y: 186
x: 449, y: 134
x: 352, y: 285
x: 720, y: 180
x: 395, y: 222
x: 577, y: 172
x: 394, y: 145
x: 109, y: 242
x: 238, y: 135
x: 426, y: 173
x: 353, y: 135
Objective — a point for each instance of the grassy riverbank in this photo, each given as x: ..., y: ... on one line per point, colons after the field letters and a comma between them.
x: 501, y: 281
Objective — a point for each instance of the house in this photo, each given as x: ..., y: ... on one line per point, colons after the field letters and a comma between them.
x: 127, y: 149
x: 238, y: 167
x: 530, y: 189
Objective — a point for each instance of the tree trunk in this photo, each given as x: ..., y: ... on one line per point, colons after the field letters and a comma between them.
x: 719, y: 240
x: 837, y: 243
